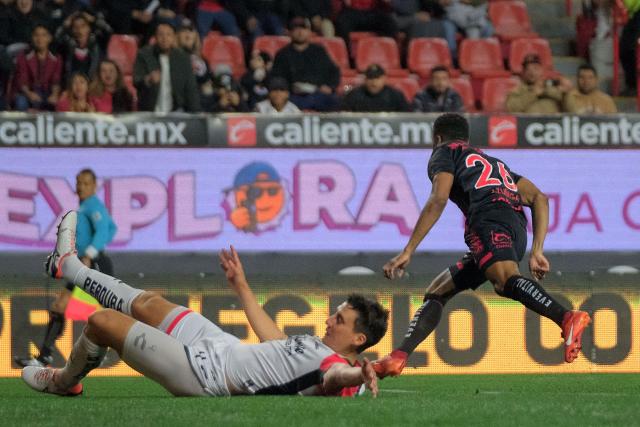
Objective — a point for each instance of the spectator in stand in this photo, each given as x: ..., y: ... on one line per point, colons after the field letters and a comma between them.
x: 229, y: 95
x: 587, y: 98
x: 424, y: 18
x: 136, y: 16
x: 6, y: 68
x: 318, y: 12
x: 76, y: 98
x: 163, y: 75
x: 308, y: 68
x: 254, y: 79
x: 23, y: 18
x: 365, y: 15
x: 79, y: 44
x: 472, y: 19
x: 628, y: 43
x: 110, y: 94
x: 6, y: 9
x: 59, y: 11
x: 439, y: 96
x: 217, y: 14
x: 536, y: 94
x: 594, y: 39
x: 278, y: 100
x: 375, y: 95
x: 38, y: 74
x: 189, y: 41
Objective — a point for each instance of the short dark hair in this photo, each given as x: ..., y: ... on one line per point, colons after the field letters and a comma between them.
x: 161, y: 23
x: 372, y: 319
x: 439, y: 68
x: 88, y: 171
x: 587, y: 67
x: 450, y: 127
x: 40, y: 25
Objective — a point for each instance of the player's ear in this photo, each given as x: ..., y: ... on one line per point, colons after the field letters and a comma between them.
x: 359, y: 339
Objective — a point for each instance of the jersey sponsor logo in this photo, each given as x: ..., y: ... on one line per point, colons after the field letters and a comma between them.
x: 503, y: 131
x: 241, y: 131
x: 501, y: 240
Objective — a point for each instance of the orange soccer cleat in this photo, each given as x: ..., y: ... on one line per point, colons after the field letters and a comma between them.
x: 391, y: 365
x: 573, y: 325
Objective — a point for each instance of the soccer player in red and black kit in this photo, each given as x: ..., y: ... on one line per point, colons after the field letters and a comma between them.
x: 492, y: 198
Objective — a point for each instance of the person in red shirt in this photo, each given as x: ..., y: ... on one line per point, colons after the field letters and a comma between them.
x: 76, y: 98
x: 109, y: 93
x: 38, y: 74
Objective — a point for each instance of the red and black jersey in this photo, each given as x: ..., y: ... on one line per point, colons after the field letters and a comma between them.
x: 481, y: 183
x: 329, y: 362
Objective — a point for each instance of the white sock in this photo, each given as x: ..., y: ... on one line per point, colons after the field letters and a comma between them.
x: 84, y: 357
x: 109, y: 291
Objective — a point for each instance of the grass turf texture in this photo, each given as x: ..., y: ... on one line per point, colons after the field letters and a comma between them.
x: 536, y: 400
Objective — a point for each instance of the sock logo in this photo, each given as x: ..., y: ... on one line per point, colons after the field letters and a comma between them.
x: 530, y: 288
x: 104, y: 295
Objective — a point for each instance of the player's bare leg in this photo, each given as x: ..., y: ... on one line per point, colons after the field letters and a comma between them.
x: 508, y: 282
x: 424, y: 321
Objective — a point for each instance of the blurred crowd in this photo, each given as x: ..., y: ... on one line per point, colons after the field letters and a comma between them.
x: 53, y: 57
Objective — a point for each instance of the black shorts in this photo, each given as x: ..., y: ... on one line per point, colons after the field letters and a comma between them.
x: 489, y: 240
x: 102, y: 263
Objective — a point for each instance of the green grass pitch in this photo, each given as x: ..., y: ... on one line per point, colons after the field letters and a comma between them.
x: 513, y: 400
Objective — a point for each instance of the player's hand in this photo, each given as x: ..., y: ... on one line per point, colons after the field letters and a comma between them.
x: 369, y: 377
x: 241, y: 218
x: 232, y: 266
x: 396, y: 266
x: 86, y: 261
x: 538, y: 265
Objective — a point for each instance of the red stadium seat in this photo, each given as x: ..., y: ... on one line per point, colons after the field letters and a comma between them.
x: 347, y: 83
x: 354, y: 39
x: 462, y: 85
x: 481, y: 58
x: 407, y: 85
x: 494, y: 93
x: 337, y: 50
x: 378, y: 50
x: 523, y: 47
x: 426, y: 53
x: 123, y: 49
x: 510, y: 19
x: 270, y: 44
x: 224, y: 50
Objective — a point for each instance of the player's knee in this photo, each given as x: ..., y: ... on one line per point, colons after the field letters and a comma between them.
x: 97, y: 324
x: 144, y: 302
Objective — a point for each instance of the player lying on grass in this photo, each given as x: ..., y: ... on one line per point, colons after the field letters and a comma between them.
x: 190, y: 356
x: 491, y: 197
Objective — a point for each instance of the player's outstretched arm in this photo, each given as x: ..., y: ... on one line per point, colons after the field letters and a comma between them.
x: 340, y: 376
x: 539, y: 204
x: 262, y: 324
x: 430, y: 214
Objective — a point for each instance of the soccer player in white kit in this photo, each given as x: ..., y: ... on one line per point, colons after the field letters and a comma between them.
x: 191, y: 356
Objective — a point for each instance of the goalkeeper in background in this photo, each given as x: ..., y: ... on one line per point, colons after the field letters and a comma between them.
x: 94, y: 232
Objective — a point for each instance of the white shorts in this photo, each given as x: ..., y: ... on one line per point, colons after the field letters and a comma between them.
x: 186, y: 354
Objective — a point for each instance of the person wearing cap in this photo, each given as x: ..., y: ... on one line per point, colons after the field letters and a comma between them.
x: 312, y: 74
x: 439, y: 96
x: 189, y: 41
x: 163, y: 75
x: 587, y: 98
x: 230, y: 97
x: 536, y: 94
x: 374, y: 95
x: 278, y: 99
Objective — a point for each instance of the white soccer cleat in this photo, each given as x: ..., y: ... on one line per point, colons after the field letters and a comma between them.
x: 43, y: 380
x: 65, y: 245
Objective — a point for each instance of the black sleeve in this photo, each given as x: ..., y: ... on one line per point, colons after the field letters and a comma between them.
x: 441, y: 161
x: 457, y: 106
x: 515, y: 176
x: 401, y: 102
x: 332, y: 71
x: 280, y: 66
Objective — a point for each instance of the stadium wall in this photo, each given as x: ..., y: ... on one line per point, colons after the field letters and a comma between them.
x: 173, y: 190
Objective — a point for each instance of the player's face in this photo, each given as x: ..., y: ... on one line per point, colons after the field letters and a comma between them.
x: 85, y: 186
x: 587, y: 81
x: 340, y: 334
